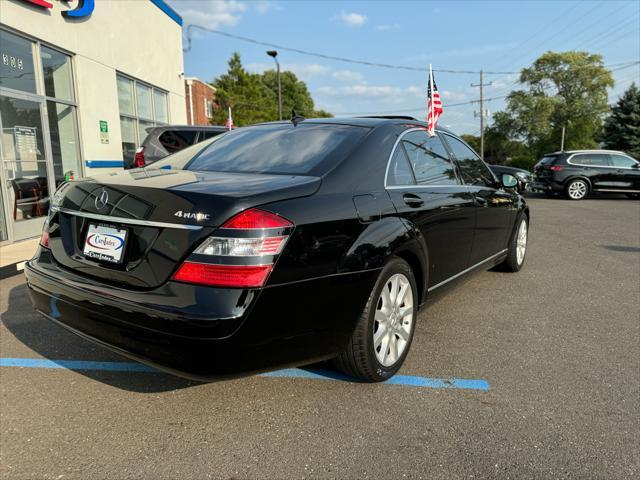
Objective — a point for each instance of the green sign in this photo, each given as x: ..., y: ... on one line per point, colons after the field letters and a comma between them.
x: 104, y: 131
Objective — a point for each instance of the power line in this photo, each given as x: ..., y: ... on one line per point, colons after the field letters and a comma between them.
x: 446, y: 105
x: 328, y: 57
x: 614, y: 28
x: 618, y: 67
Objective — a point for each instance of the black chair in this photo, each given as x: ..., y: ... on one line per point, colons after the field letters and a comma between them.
x: 27, y: 197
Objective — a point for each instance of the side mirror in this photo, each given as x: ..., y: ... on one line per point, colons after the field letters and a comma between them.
x: 636, y: 166
x: 509, y: 181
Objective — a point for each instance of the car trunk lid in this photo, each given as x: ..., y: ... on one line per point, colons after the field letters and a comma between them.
x: 165, y: 214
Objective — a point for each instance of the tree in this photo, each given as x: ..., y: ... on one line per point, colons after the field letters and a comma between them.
x: 253, y: 97
x: 473, y: 141
x: 622, y: 127
x: 567, y: 89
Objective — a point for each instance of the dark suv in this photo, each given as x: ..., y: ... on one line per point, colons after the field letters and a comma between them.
x: 578, y: 173
x: 164, y: 140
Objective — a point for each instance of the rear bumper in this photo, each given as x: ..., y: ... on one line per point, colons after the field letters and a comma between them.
x: 546, y: 186
x: 278, y: 326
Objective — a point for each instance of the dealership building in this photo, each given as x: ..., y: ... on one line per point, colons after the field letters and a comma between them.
x: 80, y: 81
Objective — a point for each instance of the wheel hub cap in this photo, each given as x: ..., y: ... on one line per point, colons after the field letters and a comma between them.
x: 577, y: 190
x: 393, y: 320
x: 521, y: 242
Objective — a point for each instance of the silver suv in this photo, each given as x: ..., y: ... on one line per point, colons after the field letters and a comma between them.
x: 164, y: 140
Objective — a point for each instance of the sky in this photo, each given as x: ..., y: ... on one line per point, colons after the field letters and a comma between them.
x: 496, y: 36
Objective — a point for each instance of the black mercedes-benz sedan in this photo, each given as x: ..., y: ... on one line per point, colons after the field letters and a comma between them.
x: 276, y: 244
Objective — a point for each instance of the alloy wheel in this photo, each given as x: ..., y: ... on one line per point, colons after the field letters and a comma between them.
x: 521, y: 242
x: 577, y: 190
x: 393, y: 320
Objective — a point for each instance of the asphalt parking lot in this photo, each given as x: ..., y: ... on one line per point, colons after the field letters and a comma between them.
x: 553, y: 355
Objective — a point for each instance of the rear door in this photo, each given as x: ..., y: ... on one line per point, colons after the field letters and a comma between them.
x: 496, y: 207
x: 627, y: 173
x: 425, y: 189
x: 596, y: 167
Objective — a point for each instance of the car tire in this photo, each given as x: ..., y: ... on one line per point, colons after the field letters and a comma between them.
x: 364, y: 357
x: 517, y: 250
x: 577, y: 189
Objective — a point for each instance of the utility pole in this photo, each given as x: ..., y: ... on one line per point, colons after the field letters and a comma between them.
x: 274, y: 54
x: 562, y: 141
x: 482, y: 112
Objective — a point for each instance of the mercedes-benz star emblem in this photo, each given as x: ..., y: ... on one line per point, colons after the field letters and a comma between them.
x: 102, y: 200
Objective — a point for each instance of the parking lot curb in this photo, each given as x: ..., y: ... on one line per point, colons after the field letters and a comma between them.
x: 11, y: 270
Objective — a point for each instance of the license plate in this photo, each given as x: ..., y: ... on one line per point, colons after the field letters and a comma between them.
x: 105, y: 243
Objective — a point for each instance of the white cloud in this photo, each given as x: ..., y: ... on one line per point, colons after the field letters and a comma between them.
x: 453, y: 96
x: 388, y: 26
x: 347, y: 76
x: 304, y: 71
x: 352, y: 19
x: 213, y: 14
x: 264, y: 6
x: 420, y: 92
x: 366, y: 94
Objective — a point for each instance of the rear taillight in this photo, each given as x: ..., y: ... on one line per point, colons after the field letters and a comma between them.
x: 242, y: 252
x: 238, y: 276
x: 556, y: 168
x: 44, y: 239
x: 138, y: 159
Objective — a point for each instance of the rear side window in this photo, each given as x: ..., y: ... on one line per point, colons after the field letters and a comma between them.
x: 473, y: 170
x: 591, y: 159
x: 428, y: 159
x: 206, y: 135
x: 622, y: 161
x: 548, y: 160
x: 399, y: 170
x: 309, y: 148
x: 176, y: 140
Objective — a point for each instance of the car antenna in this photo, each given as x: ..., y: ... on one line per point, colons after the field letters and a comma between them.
x: 296, y: 118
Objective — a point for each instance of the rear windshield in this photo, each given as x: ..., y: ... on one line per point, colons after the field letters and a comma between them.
x: 547, y: 160
x: 310, y: 149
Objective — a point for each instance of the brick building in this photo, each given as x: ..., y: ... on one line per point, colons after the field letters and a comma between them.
x: 200, y: 97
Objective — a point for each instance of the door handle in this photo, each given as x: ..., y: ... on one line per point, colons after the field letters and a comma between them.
x: 412, y: 200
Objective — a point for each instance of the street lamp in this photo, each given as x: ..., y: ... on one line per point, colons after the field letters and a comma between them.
x: 274, y: 54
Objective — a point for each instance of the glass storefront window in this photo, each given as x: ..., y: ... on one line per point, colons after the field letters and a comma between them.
x: 141, y: 106
x: 143, y: 96
x: 160, y: 106
x: 129, y: 140
x: 34, y: 159
x: 64, y: 141
x: 16, y: 63
x: 56, y: 71
x: 24, y: 159
x: 125, y: 95
x: 142, y: 130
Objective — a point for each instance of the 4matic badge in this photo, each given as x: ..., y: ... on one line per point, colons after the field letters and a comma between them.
x: 192, y: 216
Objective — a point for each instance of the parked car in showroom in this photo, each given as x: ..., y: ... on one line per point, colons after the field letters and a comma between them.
x: 277, y: 244
x: 165, y: 140
x: 524, y: 177
x: 578, y: 173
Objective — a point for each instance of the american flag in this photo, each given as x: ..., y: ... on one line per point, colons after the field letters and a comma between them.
x: 229, y: 123
x: 434, y: 105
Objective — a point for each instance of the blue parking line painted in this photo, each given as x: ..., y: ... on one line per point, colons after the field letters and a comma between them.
x: 76, y: 365
x: 315, y: 374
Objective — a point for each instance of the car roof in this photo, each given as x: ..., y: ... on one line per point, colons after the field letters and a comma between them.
x: 215, y: 128
x: 370, y: 122
x: 595, y: 150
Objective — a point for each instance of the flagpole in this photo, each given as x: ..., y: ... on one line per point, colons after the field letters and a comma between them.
x: 432, y: 111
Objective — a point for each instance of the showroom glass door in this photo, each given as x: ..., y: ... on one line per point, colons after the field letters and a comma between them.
x: 25, y: 172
